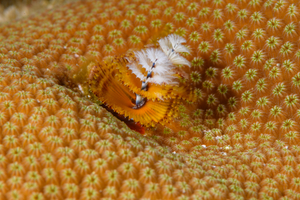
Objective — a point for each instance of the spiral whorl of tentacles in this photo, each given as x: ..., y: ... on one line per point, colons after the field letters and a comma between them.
x: 145, y: 85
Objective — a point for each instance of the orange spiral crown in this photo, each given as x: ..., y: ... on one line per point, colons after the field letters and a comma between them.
x: 151, y: 75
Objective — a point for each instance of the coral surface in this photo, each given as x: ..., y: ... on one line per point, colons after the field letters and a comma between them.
x: 11, y: 10
x: 238, y: 140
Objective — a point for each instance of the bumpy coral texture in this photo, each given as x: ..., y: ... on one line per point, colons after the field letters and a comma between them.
x: 239, y: 141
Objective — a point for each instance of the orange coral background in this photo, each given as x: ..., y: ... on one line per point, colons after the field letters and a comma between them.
x: 240, y: 140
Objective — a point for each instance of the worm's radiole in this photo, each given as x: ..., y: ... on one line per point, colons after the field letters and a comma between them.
x: 144, y: 85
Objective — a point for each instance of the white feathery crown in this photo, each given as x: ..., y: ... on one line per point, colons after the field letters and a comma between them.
x: 176, y: 59
x: 143, y: 60
x: 173, y: 43
x: 135, y: 70
x: 160, y: 61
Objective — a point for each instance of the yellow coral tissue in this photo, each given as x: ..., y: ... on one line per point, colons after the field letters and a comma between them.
x: 213, y: 84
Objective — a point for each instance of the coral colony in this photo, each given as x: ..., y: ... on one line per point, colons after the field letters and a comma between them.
x: 225, y: 127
